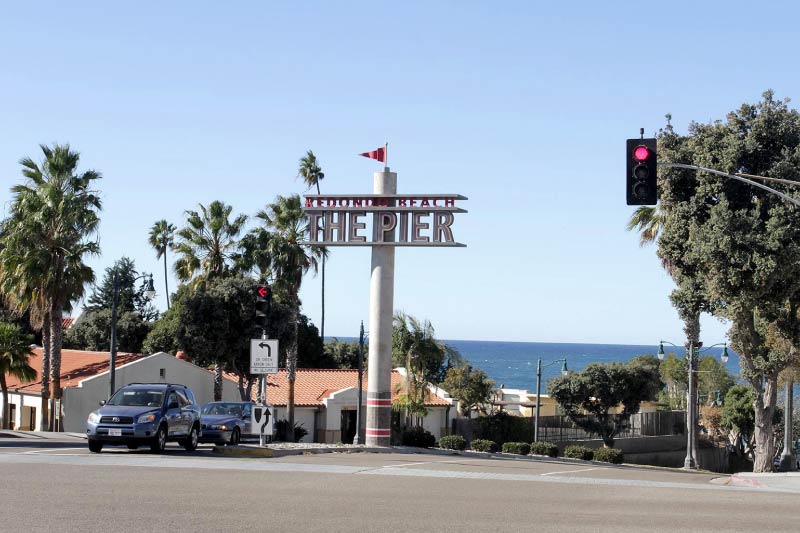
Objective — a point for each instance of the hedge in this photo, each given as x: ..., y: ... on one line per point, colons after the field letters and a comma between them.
x: 544, y: 448
x: 609, y: 455
x: 579, y: 452
x: 520, y: 448
x: 483, y: 445
x: 418, y: 437
x: 453, y: 442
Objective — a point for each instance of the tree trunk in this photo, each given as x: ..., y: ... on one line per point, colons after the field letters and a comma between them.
x: 291, y: 369
x: 322, y: 322
x: 691, y: 328
x: 55, y: 364
x: 764, y: 404
x: 166, y: 281
x: 249, y: 390
x: 44, y: 412
x: 217, y: 382
x: 6, y: 407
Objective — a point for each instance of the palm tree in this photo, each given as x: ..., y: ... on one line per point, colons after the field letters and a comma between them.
x: 208, y: 248
x: 414, y: 343
x: 648, y: 221
x: 15, y: 349
x: 276, y: 248
x: 162, y: 235
x: 312, y: 173
x: 45, y: 240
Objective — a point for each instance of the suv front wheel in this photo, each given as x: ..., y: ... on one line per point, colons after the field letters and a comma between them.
x: 190, y: 444
x: 159, y: 441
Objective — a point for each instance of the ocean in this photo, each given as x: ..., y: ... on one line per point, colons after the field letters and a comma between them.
x: 513, y: 364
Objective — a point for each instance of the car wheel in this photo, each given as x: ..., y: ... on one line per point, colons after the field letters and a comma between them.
x: 236, y: 437
x: 159, y: 441
x: 133, y: 446
x: 95, y: 447
x: 190, y: 444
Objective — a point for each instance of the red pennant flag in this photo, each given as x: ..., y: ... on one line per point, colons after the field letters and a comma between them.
x: 379, y: 154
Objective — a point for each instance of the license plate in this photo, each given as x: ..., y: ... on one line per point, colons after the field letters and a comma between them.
x: 114, y: 432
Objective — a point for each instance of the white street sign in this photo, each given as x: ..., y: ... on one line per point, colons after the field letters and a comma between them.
x: 261, y: 419
x: 263, y: 356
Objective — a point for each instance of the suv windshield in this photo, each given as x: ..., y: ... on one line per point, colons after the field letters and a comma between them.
x: 231, y: 409
x: 137, y: 397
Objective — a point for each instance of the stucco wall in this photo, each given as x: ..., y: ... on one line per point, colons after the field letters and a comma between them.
x: 81, y: 400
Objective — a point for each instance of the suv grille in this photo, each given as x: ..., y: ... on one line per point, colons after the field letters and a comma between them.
x: 119, y: 420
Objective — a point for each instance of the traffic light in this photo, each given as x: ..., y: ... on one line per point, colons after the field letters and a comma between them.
x: 263, y: 304
x: 641, y: 187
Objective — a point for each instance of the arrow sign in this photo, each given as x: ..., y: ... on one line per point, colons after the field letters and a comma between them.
x: 263, y: 356
x: 261, y: 420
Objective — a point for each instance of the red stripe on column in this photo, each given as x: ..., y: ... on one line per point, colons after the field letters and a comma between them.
x: 379, y: 402
x: 379, y: 432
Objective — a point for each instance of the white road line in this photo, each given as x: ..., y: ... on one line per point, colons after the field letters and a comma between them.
x: 49, y: 451
x: 407, y: 464
x: 569, y: 471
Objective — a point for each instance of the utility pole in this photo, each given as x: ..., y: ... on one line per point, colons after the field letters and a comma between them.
x: 357, y: 438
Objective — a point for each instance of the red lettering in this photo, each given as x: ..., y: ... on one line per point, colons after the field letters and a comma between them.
x: 309, y: 202
x: 331, y: 202
x: 412, y: 202
x: 434, y: 202
x: 401, y: 202
x: 319, y: 202
x: 358, y: 202
x: 449, y: 202
x: 425, y: 203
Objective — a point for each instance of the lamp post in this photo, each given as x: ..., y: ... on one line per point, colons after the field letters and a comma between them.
x: 691, y: 401
x: 539, y: 367
x: 788, y: 462
x: 150, y: 293
x: 361, y: 337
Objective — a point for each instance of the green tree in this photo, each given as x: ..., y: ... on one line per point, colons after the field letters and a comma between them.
x: 15, y: 350
x: 208, y: 246
x: 343, y: 354
x: 312, y: 174
x: 45, y: 239
x: 93, y: 332
x: 472, y: 388
x: 739, y: 246
x: 599, y: 390
x: 129, y: 298
x: 276, y: 250
x: 161, y: 238
x: 738, y: 417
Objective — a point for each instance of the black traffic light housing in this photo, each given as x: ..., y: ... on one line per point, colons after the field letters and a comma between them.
x: 263, y: 305
x: 640, y: 182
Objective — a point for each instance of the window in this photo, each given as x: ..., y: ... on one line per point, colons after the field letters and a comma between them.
x: 13, y: 415
x: 172, y: 398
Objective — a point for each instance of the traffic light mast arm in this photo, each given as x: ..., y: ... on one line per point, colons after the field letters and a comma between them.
x: 732, y: 176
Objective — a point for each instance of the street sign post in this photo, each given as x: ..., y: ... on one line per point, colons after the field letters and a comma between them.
x: 263, y: 356
x: 261, y: 420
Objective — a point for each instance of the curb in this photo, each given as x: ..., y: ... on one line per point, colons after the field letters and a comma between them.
x: 250, y: 451
x: 739, y: 481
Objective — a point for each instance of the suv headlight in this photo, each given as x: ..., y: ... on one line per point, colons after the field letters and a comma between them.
x: 94, y: 418
x: 223, y: 427
x: 146, y: 419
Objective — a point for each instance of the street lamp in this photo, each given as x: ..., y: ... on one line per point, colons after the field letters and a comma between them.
x: 361, y: 339
x: 539, y: 367
x: 150, y: 294
x: 691, y: 461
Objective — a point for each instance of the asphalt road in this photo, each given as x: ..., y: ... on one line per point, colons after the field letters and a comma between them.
x: 61, y: 487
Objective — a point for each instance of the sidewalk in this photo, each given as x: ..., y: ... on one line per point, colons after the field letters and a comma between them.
x: 785, y: 481
x: 51, y: 435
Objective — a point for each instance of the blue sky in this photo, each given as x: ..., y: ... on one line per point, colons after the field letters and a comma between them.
x: 523, y: 107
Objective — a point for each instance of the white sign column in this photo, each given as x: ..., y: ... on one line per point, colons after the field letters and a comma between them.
x: 381, y: 311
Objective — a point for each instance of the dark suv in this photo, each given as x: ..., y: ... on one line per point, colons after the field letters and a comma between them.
x: 146, y: 414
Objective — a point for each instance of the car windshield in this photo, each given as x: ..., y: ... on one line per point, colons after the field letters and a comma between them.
x: 230, y: 409
x: 137, y: 397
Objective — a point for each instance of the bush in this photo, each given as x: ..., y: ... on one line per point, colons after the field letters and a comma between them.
x: 453, y: 442
x: 608, y: 455
x: 483, y: 445
x: 502, y: 427
x: 544, y: 448
x: 578, y: 452
x: 520, y: 448
x: 418, y: 438
x: 283, y: 424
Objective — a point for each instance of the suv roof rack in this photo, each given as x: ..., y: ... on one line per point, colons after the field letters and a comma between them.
x: 153, y: 383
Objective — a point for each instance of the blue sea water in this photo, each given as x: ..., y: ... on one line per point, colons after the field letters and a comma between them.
x: 513, y: 364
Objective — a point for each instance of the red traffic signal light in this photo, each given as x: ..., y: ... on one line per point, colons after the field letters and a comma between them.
x: 262, y: 291
x: 641, y: 153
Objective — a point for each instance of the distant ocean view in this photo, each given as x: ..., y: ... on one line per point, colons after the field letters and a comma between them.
x: 513, y: 364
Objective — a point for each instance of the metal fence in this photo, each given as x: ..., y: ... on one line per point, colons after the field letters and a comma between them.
x: 562, y: 428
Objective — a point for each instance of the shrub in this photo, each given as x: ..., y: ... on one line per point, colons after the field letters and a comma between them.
x: 483, y: 445
x: 578, y: 452
x: 452, y: 442
x: 544, y: 448
x: 418, y: 437
x: 502, y: 427
x: 608, y: 455
x: 283, y: 424
x: 520, y: 448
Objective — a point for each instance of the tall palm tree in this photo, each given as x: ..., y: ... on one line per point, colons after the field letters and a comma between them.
x: 208, y: 248
x: 648, y: 221
x: 162, y: 235
x: 276, y: 248
x: 312, y: 173
x: 15, y: 350
x: 414, y: 343
x: 46, y: 238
